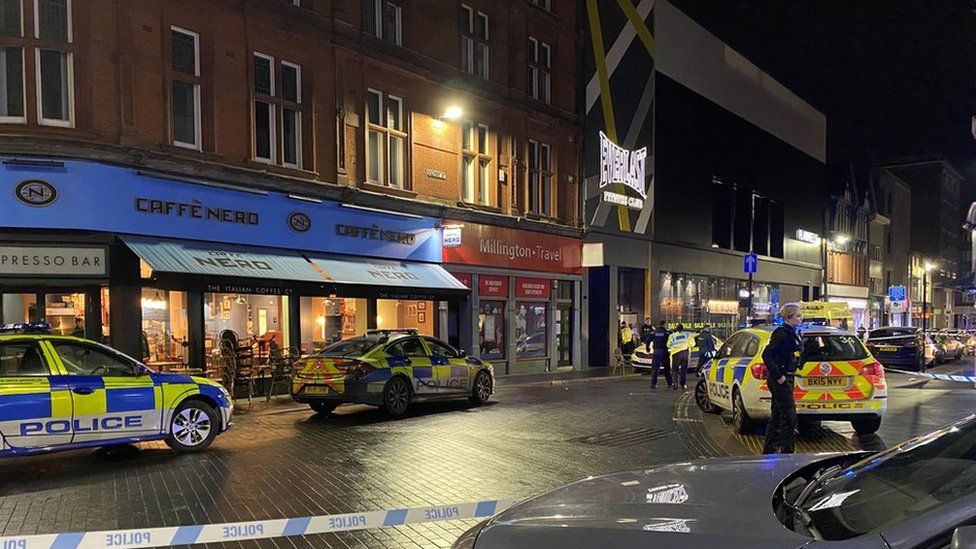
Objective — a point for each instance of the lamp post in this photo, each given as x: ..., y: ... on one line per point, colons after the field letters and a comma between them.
x: 925, y: 279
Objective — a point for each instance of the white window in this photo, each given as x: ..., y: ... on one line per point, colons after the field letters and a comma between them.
x: 540, y: 178
x: 474, y: 41
x: 383, y: 19
x: 52, y: 20
x: 185, y: 70
x: 385, y: 139
x: 54, y: 65
x: 540, y: 63
x: 12, y: 85
x: 277, y: 111
x: 476, y: 172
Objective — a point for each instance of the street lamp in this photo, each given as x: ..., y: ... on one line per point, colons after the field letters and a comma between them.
x: 926, y: 267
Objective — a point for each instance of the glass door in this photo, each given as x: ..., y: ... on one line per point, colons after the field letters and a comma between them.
x: 564, y: 334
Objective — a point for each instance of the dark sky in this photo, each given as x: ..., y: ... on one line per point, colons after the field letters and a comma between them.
x: 894, y: 77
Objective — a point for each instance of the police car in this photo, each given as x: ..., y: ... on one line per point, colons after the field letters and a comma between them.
x: 838, y: 380
x: 643, y: 357
x: 64, y: 393
x: 390, y: 369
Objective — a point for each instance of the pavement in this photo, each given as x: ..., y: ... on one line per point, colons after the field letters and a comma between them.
x: 281, y: 460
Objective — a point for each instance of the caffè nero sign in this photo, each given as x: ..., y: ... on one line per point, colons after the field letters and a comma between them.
x: 619, y: 165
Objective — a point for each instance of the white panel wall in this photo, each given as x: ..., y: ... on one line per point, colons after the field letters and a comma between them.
x: 690, y: 55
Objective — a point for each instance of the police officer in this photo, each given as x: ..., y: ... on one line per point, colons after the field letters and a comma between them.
x: 646, y: 330
x: 679, y: 347
x: 659, y: 341
x: 705, y: 342
x: 782, y: 356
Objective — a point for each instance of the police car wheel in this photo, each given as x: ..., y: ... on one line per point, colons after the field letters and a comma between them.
x: 481, y: 391
x: 866, y: 426
x: 324, y: 408
x: 701, y: 398
x: 396, y: 396
x: 193, y: 427
x: 741, y: 421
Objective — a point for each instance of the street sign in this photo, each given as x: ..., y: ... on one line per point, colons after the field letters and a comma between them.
x: 749, y: 263
x: 896, y: 293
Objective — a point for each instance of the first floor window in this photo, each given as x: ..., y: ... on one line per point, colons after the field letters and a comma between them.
x: 291, y: 129
x: 54, y: 87
x: 186, y: 101
x: 264, y: 131
x: 12, y: 85
x: 468, y: 181
x: 386, y: 140
x: 540, y: 178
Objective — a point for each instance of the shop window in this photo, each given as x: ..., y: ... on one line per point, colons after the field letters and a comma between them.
x: 254, y: 322
x: 491, y: 330
x: 164, y: 329
x: 531, y: 330
x: 65, y: 313
x: 186, y: 81
x: 106, y: 317
x: 385, y: 141
x: 18, y: 308
x: 326, y: 320
x: 392, y: 314
x: 540, y: 66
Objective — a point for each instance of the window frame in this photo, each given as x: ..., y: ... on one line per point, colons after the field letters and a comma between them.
x: 298, y: 107
x: 398, y: 39
x: 478, y: 152
x: 37, y: 20
x: 539, y: 180
x: 195, y: 81
x: 539, y: 82
x: 69, y: 60
x: 268, y: 99
x: 387, y: 134
x: 479, y: 46
x: 23, y: 83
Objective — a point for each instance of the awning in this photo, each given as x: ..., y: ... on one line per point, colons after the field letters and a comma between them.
x: 314, y: 274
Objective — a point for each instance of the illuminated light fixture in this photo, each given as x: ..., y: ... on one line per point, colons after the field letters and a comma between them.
x: 240, y: 300
x: 453, y: 112
x: 715, y: 244
x: 320, y: 321
x: 743, y: 293
x: 929, y: 266
x: 842, y: 239
x: 155, y: 303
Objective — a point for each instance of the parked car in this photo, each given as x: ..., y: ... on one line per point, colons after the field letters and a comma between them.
x: 901, y: 347
x: 64, y: 393
x: 391, y: 369
x: 949, y: 347
x: 838, y: 380
x: 918, y: 494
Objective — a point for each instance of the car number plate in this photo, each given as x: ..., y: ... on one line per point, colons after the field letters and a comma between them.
x: 887, y: 348
x: 316, y: 390
x: 826, y: 381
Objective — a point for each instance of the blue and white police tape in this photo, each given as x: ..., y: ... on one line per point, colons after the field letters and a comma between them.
x: 941, y: 377
x: 257, y: 529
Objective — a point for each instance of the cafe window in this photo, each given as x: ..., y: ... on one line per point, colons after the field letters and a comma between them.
x: 393, y: 314
x: 326, y: 320
x: 247, y: 321
x: 164, y: 329
x: 65, y: 313
x: 16, y: 308
x: 491, y: 330
x: 531, y: 331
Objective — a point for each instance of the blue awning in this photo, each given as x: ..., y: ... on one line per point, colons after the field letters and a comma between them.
x: 232, y: 261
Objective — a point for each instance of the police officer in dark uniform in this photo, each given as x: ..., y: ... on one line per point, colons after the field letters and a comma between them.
x: 782, y: 356
x: 659, y: 340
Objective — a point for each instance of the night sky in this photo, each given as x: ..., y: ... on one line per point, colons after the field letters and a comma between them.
x: 895, y: 77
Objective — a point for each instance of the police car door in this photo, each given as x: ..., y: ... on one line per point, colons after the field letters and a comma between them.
x: 451, y: 373
x: 34, y: 411
x: 419, y: 362
x: 112, y: 396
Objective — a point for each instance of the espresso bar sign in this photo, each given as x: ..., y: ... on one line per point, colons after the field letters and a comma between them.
x: 45, y: 261
x: 375, y: 232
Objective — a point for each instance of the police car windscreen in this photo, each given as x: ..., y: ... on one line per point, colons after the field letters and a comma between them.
x: 351, y: 348
x: 833, y: 347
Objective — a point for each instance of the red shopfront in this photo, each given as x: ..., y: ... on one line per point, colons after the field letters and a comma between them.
x: 524, y: 313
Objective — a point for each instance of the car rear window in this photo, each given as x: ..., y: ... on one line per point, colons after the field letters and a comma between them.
x: 833, y: 347
x: 892, y: 332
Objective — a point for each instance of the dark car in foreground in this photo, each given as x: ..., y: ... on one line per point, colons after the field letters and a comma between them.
x: 918, y: 494
x: 902, y: 347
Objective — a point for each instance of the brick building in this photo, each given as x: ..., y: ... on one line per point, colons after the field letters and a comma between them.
x: 363, y: 114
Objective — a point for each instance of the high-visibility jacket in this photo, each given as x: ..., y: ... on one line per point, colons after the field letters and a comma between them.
x: 680, y: 341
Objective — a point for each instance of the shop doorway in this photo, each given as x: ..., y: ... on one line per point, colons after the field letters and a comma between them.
x: 564, y: 334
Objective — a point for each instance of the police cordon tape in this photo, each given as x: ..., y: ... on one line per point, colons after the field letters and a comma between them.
x: 941, y: 377
x: 256, y: 529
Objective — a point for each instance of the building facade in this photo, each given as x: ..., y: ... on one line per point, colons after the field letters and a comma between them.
x: 894, y: 202
x: 720, y: 161
x: 196, y: 149
x: 848, y: 221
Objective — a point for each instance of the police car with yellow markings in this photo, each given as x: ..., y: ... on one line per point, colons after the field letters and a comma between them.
x: 838, y: 380
x: 390, y: 369
x: 64, y: 393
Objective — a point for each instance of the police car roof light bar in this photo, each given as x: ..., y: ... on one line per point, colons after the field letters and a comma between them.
x: 26, y: 327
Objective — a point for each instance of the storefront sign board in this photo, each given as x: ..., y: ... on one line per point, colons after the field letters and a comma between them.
x: 78, y: 195
x: 52, y: 261
x: 488, y: 245
x: 493, y: 286
x: 537, y: 288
